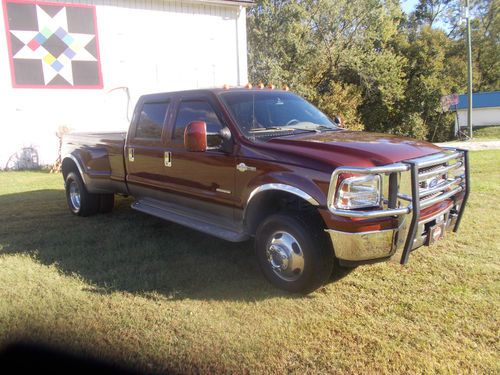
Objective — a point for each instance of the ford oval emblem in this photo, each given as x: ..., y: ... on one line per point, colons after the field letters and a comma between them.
x: 433, y: 183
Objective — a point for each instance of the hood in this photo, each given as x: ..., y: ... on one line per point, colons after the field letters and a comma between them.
x: 352, y: 148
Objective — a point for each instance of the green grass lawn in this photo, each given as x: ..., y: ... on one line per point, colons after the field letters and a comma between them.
x: 139, y: 291
x: 487, y: 133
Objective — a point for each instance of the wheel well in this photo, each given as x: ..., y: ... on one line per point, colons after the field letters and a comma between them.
x: 271, y: 202
x: 68, y: 165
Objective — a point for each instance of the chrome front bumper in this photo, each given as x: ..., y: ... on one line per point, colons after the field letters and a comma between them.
x: 405, y: 200
x: 381, y: 245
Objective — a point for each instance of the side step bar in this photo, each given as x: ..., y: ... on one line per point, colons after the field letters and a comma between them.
x: 189, y: 221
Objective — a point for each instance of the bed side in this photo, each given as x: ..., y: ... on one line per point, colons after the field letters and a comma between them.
x: 98, y: 157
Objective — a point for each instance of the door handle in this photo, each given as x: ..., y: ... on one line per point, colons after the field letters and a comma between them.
x: 168, y: 159
x: 131, y: 154
x: 242, y: 167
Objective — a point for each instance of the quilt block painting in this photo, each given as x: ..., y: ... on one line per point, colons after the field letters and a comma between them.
x: 52, y: 45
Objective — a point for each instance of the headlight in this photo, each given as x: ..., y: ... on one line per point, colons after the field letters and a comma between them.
x: 358, y: 192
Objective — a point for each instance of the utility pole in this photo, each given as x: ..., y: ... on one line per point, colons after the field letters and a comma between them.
x: 469, y: 70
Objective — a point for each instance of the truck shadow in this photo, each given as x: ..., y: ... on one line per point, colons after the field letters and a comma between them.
x: 132, y: 252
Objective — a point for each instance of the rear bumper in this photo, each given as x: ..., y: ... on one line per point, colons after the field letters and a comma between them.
x: 408, y: 203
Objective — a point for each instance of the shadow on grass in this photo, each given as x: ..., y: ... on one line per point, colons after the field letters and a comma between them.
x: 132, y: 252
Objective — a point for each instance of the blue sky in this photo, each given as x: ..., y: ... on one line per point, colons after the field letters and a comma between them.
x: 408, y: 5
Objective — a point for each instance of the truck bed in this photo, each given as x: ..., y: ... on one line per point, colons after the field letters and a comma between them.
x: 101, y: 154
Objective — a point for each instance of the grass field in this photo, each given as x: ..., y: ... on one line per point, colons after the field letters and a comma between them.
x: 488, y: 133
x: 133, y: 289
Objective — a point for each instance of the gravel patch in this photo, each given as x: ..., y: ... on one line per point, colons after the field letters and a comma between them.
x: 473, y: 145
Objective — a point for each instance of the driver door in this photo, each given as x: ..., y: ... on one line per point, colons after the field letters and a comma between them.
x: 202, y: 181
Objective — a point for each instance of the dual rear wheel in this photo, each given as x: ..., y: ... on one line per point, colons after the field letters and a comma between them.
x: 83, y: 203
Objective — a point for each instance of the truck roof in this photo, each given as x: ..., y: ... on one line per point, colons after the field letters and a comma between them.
x: 215, y: 91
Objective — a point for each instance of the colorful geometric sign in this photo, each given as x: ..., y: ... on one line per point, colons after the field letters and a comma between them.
x: 52, y: 45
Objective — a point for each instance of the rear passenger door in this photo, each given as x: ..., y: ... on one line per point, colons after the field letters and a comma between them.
x: 144, y: 151
x: 202, y: 181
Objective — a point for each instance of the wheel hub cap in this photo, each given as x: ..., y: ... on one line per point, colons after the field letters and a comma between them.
x: 74, y: 195
x: 278, y: 257
x: 285, y: 256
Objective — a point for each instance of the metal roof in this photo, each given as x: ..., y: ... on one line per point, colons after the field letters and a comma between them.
x: 480, y: 100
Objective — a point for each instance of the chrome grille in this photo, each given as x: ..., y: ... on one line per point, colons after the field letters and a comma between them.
x: 448, y: 166
x: 440, y: 180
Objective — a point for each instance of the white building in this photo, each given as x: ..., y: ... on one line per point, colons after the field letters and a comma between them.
x: 71, y: 63
x: 485, y: 110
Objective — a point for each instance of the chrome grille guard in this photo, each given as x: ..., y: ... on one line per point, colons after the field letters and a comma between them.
x: 401, y: 203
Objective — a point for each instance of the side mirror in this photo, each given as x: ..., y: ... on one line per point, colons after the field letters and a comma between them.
x: 195, y: 136
x: 340, y: 123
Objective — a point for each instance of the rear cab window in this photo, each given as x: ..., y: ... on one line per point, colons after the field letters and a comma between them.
x: 151, y: 120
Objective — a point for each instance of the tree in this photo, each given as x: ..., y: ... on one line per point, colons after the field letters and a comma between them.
x: 486, y: 44
x: 370, y: 63
x: 430, y: 76
x: 428, y: 12
x: 326, y: 48
x: 485, y: 25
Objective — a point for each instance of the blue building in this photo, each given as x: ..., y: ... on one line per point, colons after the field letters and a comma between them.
x: 485, y: 110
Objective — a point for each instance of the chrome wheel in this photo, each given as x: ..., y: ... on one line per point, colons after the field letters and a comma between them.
x: 285, y: 256
x: 74, y: 195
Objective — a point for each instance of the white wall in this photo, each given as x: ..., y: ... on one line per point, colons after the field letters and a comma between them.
x: 480, y: 117
x: 147, y: 46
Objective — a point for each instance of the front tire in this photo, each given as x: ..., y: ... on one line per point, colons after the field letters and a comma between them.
x: 80, y: 201
x: 293, y: 254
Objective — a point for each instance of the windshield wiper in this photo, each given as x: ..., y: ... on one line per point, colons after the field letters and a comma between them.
x: 290, y: 129
x: 271, y: 128
x: 306, y: 130
x: 324, y: 127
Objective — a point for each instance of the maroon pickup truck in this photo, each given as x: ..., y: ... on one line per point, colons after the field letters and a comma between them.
x: 240, y: 163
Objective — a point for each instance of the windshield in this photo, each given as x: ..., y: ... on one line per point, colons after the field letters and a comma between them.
x: 264, y: 112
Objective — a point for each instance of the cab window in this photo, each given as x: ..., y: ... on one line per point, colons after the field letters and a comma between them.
x: 151, y: 119
x: 195, y: 110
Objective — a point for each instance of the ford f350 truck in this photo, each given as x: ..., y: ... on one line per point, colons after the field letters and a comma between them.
x: 245, y: 163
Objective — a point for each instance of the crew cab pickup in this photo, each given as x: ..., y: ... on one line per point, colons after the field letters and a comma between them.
x: 266, y: 164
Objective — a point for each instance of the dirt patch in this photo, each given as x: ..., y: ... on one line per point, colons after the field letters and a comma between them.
x: 473, y: 145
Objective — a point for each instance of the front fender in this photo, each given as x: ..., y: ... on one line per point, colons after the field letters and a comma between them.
x: 291, y: 182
